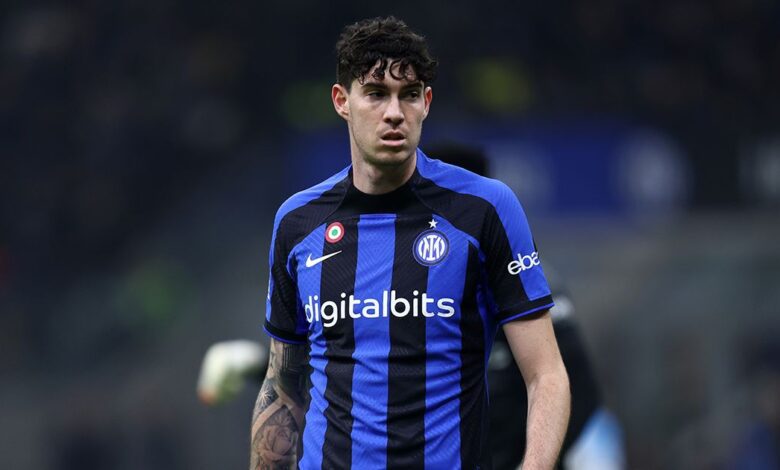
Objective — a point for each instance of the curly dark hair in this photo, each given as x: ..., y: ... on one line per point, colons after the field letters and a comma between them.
x: 386, y: 39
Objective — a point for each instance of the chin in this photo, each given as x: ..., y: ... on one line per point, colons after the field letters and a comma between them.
x: 390, y: 162
x: 392, y: 157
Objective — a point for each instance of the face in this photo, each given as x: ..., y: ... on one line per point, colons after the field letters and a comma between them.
x: 384, y: 116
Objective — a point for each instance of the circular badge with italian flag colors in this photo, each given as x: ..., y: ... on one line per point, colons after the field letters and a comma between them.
x: 334, y: 232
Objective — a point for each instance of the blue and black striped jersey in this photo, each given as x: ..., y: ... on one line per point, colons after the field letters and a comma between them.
x: 398, y: 297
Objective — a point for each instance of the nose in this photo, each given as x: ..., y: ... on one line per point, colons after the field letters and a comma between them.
x: 393, y: 114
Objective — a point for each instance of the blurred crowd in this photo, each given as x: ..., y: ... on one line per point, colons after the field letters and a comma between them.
x: 114, y: 115
x: 112, y: 110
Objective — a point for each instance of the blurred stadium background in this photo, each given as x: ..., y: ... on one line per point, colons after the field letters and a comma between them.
x: 144, y: 147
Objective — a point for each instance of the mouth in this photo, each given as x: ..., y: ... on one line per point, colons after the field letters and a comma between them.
x: 393, y: 138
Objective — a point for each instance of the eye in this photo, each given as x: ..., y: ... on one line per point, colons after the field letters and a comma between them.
x: 413, y: 95
x: 375, y: 94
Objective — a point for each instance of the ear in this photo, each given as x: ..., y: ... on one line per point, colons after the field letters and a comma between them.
x: 340, y: 102
x: 428, y: 95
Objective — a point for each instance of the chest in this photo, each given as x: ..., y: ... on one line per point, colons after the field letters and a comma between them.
x: 363, y: 260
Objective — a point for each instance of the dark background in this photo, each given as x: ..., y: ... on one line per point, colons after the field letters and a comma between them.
x: 144, y: 147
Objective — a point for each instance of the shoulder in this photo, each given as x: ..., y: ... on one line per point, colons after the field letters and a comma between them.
x: 312, y: 205
x: 464, y: 182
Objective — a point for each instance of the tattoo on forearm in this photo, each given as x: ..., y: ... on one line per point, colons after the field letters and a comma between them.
x: 266, y: 396
x: 278, y: 412
x: 288, y: 361
x: 288, y: 357
x: 275, y: 442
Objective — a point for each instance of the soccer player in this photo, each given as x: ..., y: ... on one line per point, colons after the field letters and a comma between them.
x: 388, y: 283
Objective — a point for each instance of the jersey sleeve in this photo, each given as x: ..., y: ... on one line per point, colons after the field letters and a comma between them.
x: 516, y: 282
x: 284, y: 317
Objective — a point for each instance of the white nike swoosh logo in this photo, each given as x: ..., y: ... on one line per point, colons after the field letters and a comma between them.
x: 311, y: 262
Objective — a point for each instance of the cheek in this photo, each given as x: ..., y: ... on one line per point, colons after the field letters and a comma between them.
x: 361, y: 127
x: 416, y: 119
x: 365, y: 121
x: 416, y: 114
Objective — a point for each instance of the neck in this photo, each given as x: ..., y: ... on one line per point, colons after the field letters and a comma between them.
x: 376, y: 179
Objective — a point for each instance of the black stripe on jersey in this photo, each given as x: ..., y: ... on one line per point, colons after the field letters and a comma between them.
x: 479, y: 218
x: 294, y: 226
x: 338, y: 276
x: 400, y: 200
x: 406, y: 363
x: 473, y: 405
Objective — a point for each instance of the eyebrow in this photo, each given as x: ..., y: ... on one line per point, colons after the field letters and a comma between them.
x: 382, y: 86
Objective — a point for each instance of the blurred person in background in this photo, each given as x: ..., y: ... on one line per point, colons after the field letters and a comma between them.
x: 593, y: 440
x: 758, y: 445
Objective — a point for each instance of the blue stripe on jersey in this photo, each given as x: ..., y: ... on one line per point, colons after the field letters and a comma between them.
x: 527, y: 312
x: 372, y: 343
x: 293, y: 202
x: 443, y: 368
x: 509, y: 210
x: 308, y: 284
x: 276, y: 337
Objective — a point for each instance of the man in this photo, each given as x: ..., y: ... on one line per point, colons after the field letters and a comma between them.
x: 389, y: 281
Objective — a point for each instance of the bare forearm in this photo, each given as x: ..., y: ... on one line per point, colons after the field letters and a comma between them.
x: 549, y: 402
x: 278, y: 413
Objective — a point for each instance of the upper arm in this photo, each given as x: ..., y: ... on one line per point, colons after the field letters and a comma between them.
x: 289, y: 358
x: 533, y: 345
x: 286, y: 365
x: 277, y: 420
x: 284, y: 319
x: 512, y: 263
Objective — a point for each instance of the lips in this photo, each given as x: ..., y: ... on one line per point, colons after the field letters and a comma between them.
x: 393, y: 135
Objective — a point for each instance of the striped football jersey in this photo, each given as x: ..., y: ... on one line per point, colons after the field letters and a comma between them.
x: 398, y: 297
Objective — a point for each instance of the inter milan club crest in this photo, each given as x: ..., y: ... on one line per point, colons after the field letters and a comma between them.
x: 334, y: 232
x: 431, y: 246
